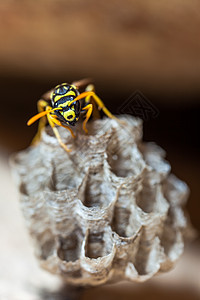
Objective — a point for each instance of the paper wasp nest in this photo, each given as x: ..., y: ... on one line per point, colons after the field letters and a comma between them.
x: 109, y: 210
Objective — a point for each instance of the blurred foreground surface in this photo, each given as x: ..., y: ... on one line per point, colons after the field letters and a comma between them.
x: 22, y: 279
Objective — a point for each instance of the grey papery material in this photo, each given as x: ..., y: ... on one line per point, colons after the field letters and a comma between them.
x: 107, y: 211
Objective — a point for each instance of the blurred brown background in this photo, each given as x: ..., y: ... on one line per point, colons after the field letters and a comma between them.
x: 152, y: 47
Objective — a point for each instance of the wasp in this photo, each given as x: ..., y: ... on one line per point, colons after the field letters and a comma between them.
x: 63, y: 106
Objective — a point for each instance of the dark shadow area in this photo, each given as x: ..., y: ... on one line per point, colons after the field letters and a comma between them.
x: 145, y: 291
x: 65, y: 293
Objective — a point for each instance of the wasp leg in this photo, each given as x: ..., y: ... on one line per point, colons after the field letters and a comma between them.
x: 57, y: 122
x: 102, y: 106
x: 52, y: 123
x: 89, y: 99
x: 99, y: 103
x: 41, y: 105
x: 89, y: 109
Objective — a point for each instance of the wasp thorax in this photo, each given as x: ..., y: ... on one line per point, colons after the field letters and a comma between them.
x: 61, y: 89
x: 62, y: 93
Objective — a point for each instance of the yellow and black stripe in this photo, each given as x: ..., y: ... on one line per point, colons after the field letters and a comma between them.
x: 64, y: 90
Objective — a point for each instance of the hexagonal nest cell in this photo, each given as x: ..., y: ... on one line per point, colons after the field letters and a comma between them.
x: 107, y: 211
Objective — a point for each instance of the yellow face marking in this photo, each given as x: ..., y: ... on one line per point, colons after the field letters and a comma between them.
x: 70, y: 93
x: 69, y: 115
x: 65, y: 104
